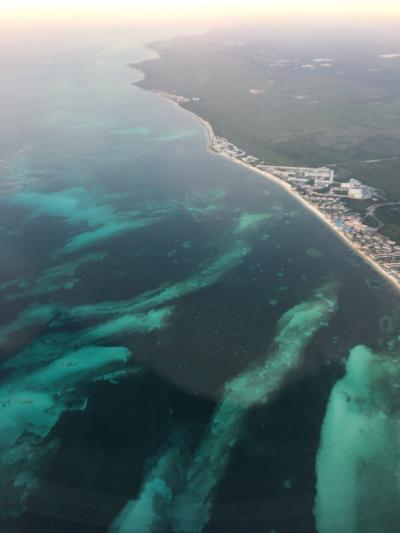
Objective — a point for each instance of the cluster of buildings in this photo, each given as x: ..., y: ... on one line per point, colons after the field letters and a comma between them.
x: 318, y: 181
x: 176, y: 97
x: 356, y: 190
x: 318, y: 187
x: 368, y: 240
x: 221, y: 145
x: 173, y: 97
x: 321, y: 181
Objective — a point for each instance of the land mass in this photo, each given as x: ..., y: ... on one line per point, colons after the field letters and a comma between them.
x: 271, y: 109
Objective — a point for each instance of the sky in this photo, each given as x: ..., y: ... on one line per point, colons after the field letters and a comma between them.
x: 22, y: 17
x: 203, y: 7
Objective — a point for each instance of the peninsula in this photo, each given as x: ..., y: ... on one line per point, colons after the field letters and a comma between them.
x: 317, y: 190
x: 301, y: 119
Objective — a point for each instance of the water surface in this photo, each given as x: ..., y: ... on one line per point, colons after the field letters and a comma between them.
x: 172, y: 324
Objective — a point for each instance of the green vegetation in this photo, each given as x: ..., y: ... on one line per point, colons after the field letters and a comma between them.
x: 279, y: 104
x: 390, y: 218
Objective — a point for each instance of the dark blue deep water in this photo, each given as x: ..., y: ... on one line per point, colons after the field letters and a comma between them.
x: 172, y: 324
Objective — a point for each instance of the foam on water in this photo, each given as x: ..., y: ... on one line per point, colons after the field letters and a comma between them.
x: 103, y: 233
x: 49, y: 347
x: 31, y: 403
x: 233, y: 253
x: 152, y: 508
x: 33, y: 316
x: 58, y: 277
x: 79, y: 206
x: 236, y: 245
x: 45, y: 380
x: 68, y: 269
x: 180, y: 499
x: 255, y: 386
x: 126, y: 324
x: 76, y: 205
x: 358, y: 463
x: 247, y: 222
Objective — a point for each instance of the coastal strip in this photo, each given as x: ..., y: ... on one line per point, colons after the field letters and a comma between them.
x: 212, y: 142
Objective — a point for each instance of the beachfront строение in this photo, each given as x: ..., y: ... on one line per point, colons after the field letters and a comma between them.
x: 306, y: 185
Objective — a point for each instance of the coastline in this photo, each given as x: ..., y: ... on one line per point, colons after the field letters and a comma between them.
x: 211, y: 141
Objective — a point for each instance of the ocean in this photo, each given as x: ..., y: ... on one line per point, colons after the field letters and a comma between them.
x: 173, y: 326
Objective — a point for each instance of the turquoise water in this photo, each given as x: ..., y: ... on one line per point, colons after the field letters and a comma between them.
x: 174, y: 329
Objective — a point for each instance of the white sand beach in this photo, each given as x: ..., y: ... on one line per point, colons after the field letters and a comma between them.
x: 212, y: 140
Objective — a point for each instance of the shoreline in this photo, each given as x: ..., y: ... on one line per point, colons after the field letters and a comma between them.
x: 211, y: 140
